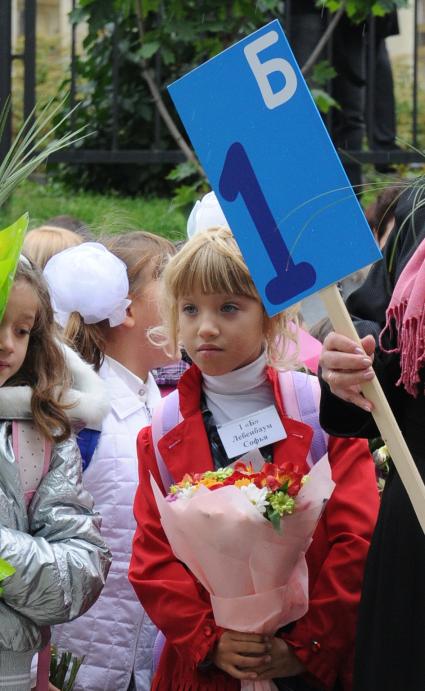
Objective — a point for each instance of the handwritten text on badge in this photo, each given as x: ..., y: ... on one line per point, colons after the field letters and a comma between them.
x: 251, y: 431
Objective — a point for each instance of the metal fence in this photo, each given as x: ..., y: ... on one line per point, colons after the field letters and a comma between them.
x: 156, y: 154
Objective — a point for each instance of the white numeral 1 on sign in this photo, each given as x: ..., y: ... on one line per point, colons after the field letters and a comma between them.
x: 262, y: 70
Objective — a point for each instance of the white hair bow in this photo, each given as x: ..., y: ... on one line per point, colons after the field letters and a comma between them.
x: 206, y: 214
x: 90, y: 280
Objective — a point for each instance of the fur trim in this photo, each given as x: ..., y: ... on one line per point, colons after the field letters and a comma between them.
x: 87, y: 395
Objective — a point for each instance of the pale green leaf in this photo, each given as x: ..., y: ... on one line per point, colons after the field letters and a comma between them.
x: 149, y: 49
x: 11, y: 240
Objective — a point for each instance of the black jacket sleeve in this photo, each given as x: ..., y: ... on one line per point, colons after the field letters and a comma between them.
x: 367, y: 306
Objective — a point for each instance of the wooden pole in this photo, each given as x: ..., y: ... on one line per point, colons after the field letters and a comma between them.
x: 382, y: 413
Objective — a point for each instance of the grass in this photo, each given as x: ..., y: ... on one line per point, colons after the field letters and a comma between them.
x: 102, y: 214
x: 115, y: 214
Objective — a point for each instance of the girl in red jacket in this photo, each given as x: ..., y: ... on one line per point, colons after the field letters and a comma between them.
x: 211, y: 308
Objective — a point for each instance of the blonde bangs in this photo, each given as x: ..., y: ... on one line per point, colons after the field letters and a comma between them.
x: 212, y: 263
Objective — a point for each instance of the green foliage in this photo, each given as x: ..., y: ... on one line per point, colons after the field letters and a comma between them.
x: 359, y: 10
x: 31, y: 147
x: 193, y: 187
x: 321, y: 75
x: 178, y: 38
x: 323, y: 72
x: 33, y: 144
x: 323, y: 100
x: 64, y: 669
x: 11, y: 240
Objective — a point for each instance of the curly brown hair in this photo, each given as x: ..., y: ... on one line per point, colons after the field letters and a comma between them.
x: 44, y: 368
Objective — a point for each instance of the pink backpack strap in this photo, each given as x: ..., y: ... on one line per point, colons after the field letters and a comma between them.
x: 166, y: 416
x: 301, y: 399
x: 43, y: 668
x: 32, y: 454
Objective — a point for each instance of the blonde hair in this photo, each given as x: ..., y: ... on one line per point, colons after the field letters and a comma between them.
x: 42, y: 243
x: 212, y: 262
x: 144, y: 255
x: 44, y: 368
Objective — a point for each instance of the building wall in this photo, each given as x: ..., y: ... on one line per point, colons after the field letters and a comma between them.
x: 402, y: 45
x: 52, y: 18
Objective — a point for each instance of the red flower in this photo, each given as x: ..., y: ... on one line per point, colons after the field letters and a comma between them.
x: 273, y: 483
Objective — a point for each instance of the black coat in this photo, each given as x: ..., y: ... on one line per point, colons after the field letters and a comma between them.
x: 390, y: 654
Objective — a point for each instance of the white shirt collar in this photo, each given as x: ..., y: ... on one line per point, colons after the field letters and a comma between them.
x: 129, y: 392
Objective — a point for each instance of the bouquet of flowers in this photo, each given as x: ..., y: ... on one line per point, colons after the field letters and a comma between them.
x: 272, y: 490
x: 243, y: 533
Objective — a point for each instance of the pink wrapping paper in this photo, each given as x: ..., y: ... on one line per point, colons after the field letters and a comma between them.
x: 308, y: 347
x: 257, y: 578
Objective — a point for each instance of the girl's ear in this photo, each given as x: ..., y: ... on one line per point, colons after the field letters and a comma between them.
x: 129, y: 320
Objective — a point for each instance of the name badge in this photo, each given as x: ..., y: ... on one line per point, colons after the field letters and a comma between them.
x: 251, y: 431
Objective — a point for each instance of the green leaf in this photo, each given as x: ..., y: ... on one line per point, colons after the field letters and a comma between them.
x: 150, y: 6
x: 378, y: 10
x: 182, y: 171
x: 6, y: 569
x: 64, y: 669
x: 124, y: 6
x: 275, y: 519
x: 323, y: 72
x: 185, y: 196
x: 31, y: 147
x: 167, y: 55
x: 77, y: 15
x: 75, y: 666
x: 331, y: 5
x: 323, y: 101
x: 11, y: 240
x: 149, y: 49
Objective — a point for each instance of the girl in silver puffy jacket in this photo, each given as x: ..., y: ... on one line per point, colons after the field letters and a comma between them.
x: 54, y: 543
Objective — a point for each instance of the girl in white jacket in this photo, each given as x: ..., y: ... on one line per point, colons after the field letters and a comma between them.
x: 116, y: 636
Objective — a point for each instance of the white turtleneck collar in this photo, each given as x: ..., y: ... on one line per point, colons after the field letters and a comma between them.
x: 238, y: 393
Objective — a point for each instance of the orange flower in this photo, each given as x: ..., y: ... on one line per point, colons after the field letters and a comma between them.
x: 243, y: 482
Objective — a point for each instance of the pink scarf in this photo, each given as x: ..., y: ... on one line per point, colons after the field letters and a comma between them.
x: 406, y: 313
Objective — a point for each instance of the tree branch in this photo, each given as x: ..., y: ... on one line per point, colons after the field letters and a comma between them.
x: 324, y: 39
x: 159, y: 102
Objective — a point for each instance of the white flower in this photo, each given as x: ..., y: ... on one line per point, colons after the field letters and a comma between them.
x: 187, y: 492
x: 256, y: 496
x: 381, y: 456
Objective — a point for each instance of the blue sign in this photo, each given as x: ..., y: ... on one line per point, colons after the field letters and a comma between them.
x: 273, y: 167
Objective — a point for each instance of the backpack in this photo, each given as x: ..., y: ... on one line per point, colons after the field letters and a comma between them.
x: 87, y: 441
x: 301, y: 398
x: 32, y: 454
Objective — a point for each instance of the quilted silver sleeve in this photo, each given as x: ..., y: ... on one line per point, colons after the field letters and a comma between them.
x: 62, y: 562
